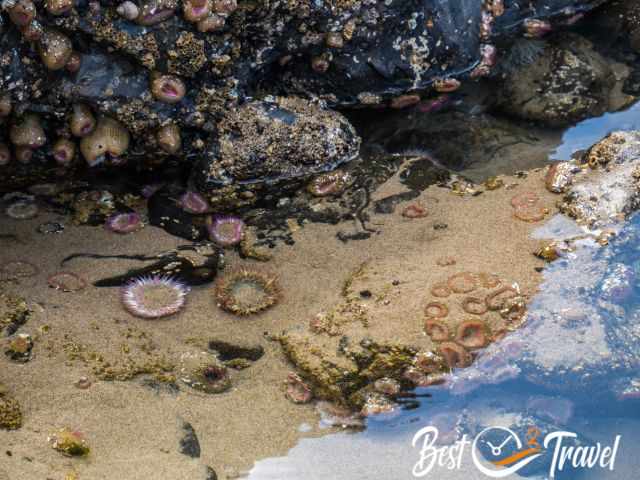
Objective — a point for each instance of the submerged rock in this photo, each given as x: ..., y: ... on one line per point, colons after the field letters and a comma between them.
x: 563, y: 82
x: 610, y: 190
x: 263, y: 145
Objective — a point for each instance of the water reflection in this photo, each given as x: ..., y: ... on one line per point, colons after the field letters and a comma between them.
x: 588, y: 132
x: 573, y: 366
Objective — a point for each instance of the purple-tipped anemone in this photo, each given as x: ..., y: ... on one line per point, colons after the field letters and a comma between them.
x: 193, y: 202
x: 124, y: 222
x: 226, y: 231
x: 154, y: 297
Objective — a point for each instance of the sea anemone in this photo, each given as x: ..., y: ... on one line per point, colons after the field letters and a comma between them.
x: 6, y: 105
x: 74, y: 62
x: 212, y: 23
x: 472, y: 334
x: 109, y: 139
x: 22, y: 210
x: 440, y: 289
x: 24, y: 155
x: 17, y: 269
x: 530, y: 213
x: 58, y: 7
x: 204, y: 372
x: 436, y: 310
x: 28, y: 133
x: 332, y: 183
x: 82, y: 122
x: 427, y: 362
x: 535, y: 28
x: 463, y: 282
x: 488, y: 280
x: 167, y: 88
x: 153, y: 12
x: 226, y: 231
x: 32, y: 32
x: 474, y: 305
x: 169, y: 138
x: 55, y: 49
x: 154, y: 296
x: 66, y: 281
x: 524, y: 199
x: 387, y: 386
x: 245, y: 292
x: 378, y: 404
x: 446, y: 85
x: 124, y: 222
x: 455, y: 356
x: 436, y: 329
x: 415, y: 210
x: 5, y: 154
x: 297, y: 390
x: 196, y: 10
x: 63, y: 151
x: 496, y: 300
x: 193, y: 202
x: 22, y: 12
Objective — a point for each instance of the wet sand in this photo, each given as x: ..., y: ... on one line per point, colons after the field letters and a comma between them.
x: 134, y: 430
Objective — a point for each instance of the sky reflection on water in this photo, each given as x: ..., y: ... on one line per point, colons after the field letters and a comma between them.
x: 573, y: 366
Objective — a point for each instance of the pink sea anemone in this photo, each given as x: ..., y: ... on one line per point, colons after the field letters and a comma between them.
x: 154, y: 296
x: 226, y: 231
x: 193, y: 202
x: 124, y: 222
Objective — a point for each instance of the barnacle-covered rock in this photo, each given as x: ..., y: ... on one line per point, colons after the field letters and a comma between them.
x: 564, y: 81
x: 602, y: 197
x: 262, y: 145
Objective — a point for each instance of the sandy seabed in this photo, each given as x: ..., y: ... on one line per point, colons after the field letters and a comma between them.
x: 134, y: 429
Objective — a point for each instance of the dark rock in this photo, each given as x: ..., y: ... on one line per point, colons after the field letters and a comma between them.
x: 230, y: 351
x: 211, y: 474
x: 566, y: 81
x: 189, y: 444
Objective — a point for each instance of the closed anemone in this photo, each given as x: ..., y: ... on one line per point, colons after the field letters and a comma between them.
x: 5, y: 154
x: 245, y: 292
x: 82, y: 121
x: 28, y: 132
x: 63, y: 151
x: 55, y: 49
x: 167, y: 88
x: 196, y: 10
x: 154, y: 12
x: 110, y: 140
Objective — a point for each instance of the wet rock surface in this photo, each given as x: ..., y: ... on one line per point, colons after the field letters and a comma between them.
x: 562, y: 82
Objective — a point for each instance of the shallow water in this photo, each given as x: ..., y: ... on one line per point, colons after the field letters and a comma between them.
x: 573, y: 367
x: 588, y: 132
